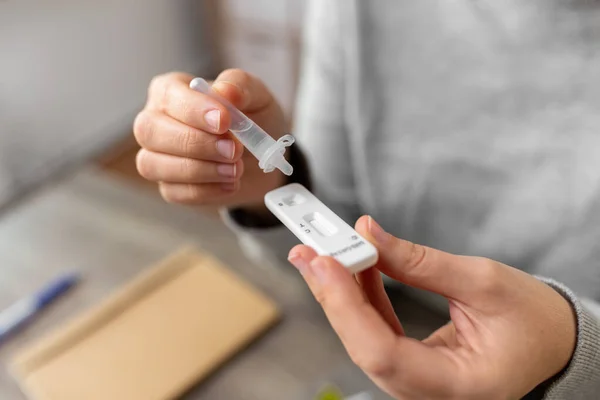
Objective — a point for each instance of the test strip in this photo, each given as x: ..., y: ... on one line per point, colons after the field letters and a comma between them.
x: 311, y: 221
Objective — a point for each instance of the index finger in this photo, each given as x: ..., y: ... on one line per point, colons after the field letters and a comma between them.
x: 365, y: 335
x: 397, y: 363
x: 171, y: 94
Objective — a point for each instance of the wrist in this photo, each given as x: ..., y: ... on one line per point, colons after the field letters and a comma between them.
x: 565, y: 351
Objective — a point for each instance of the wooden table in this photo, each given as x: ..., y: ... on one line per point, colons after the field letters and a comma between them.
x: 110, y: 231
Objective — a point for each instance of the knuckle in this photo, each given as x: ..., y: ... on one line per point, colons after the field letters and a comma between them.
x: 189, y: 169
x: 188, y: 142
x: 242, y: 82
x: 170, y: 194
x: 157, y: 84
x: 160, y: 87
x: 239, y: 169
x: 165, y: 193
x: 143, y: 164
x: 376, y: 365
x: 182, y: 194
x: 322, y: 298
x: 143, y: 128
x: 238, y: 74
x: 488, y: 275
x: 417, y: 260
x: 186, y: 109
x: 329, y: 298
x: 195, y: 144
x: 194, y: 195
x: 159, y: 81
x: 154, y: 82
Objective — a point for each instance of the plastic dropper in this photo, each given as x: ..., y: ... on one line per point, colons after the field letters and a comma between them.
x: 268, y: 151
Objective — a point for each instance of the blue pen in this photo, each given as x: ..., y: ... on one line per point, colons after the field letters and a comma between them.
x: 20, y: 312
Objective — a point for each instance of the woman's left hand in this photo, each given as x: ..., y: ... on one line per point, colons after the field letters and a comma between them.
x: 509, y: 331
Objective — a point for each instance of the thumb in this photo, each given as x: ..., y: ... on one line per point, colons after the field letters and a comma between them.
x: 392, y: 361
x: 245, y: 91
x: 457, y: 277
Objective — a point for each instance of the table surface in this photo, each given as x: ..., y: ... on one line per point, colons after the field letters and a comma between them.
x: 110, y: 230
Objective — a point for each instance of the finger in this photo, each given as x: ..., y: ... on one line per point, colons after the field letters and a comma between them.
x: 197, y: 194
x: 397, y: 363
x: 364, y: 333
x: 160, y: 133
x: 159, y: 167
x: 458, y: 277
x: 372, y: 286
x: 243, y: 90
x: 172, y: 95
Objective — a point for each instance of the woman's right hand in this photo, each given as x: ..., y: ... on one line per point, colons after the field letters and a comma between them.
x: 187, y: 147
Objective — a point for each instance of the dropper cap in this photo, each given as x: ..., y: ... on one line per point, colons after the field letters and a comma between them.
x: 274, y: 156
x: 242, y: 126
x: 281, y: 164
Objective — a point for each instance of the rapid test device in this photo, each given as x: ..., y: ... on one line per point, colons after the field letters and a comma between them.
x: 320, y: 228
x: 268, y: 151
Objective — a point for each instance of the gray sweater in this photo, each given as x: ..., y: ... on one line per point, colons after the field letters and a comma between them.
x: 471, y: 126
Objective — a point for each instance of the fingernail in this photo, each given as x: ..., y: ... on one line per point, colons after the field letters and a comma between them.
x: 226, y: 148
x: 320, y: 269
x: 227, y: 170
x: 377, y: 231
x: 213, y: 119
x: 229, y: 187
x: 299, y: 262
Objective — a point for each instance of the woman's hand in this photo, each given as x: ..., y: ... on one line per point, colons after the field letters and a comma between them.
x: 186, y: 146
x: 509, y: 331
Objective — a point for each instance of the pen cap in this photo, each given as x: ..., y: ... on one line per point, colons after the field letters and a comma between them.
x: 56, y: 288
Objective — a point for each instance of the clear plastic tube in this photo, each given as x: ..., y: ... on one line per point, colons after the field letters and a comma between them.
x: 268, y: 151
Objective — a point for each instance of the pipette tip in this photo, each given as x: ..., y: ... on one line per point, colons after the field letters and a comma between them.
x: 285, y: 166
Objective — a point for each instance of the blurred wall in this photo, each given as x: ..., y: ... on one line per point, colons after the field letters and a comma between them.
x: 264, y: 38
x: 73, y: 74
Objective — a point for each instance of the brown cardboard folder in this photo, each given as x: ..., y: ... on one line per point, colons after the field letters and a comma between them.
x: 151, y: 340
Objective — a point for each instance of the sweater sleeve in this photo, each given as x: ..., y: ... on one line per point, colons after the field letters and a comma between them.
x: 321, y: 137
x: 581, y: 378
